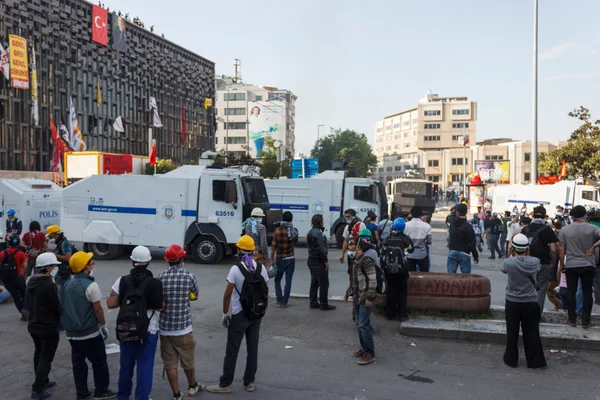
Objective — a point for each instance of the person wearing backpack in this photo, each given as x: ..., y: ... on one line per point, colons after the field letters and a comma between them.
x: 35, y: 242
x: 247, y: 283
x: 478, y: 228
x: 420, y: 233
x: 395, y: 266
x: 44, y: 319
x: 285, y: 238
x: 139, y: 297
x: 543, y: 245
x: 177, y: 342
x: 363, y: 292
x: 85, y: 326
x: 13, y: 262
x: 522, y: 309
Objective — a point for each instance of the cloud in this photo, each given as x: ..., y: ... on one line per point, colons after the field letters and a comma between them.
x: 562, y: 49
x: 581, y: 75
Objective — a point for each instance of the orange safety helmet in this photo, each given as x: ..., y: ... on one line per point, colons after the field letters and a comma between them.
x: 174, y: 252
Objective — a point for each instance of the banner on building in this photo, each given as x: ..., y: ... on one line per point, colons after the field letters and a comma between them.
x: 117, y: 164
x: 207, y: 103
x: 77, y: 142
x: 492, y: 172
x: 156, y: 122
x: 19, y: 67
x: 99, y: 25
x: 266, y: 119
x: 4, y: 64
x: 119, y: 33
x: 34, y: 88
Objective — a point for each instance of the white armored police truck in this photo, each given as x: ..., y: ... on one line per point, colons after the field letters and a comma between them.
x: 199, y: 207
x: 329, y: 193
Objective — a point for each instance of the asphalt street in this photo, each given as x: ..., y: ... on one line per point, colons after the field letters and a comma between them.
x: 305, y: 354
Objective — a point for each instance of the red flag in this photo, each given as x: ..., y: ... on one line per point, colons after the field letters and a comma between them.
x: 182, y: 124
x: 153, y: 155
x: 100, y: 25
x: 563, y: 170
x: 59, y: 148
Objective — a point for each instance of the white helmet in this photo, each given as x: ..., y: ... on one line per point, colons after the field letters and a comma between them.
x: 46, y: 259
x: 258, y: 212
x: 520, y: 242
x: 141, y: 254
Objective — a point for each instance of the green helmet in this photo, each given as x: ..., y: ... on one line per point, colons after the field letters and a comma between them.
x: 364, y: 233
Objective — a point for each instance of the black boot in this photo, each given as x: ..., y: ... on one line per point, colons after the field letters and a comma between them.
x: 327, y: 307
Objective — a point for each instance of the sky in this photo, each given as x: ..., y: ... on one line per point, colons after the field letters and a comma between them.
x: 351, y: 63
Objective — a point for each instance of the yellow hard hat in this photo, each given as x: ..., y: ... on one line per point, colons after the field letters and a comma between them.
x: 245, y: 243
x: 79, y: 261
x: 192, y: 296
x: 52, y: 229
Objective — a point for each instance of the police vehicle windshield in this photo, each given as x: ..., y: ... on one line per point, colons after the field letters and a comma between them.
x: 254, y: 190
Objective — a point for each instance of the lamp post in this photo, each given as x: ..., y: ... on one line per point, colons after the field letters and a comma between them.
x: 534, y: 136
x: 227, y: 111
x: 319, y: 139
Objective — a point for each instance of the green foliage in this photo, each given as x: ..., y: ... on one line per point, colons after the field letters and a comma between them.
x: 347, y: 145
x: 269, y: 168
x: 162, y: 167
x: 582, y: 152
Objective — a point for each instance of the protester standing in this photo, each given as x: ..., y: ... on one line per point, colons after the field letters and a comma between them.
x: 13, y: 224
x: 177, y: 342
x: 462, y: 243
x: 254, y: 228
x: 138, y: 354
x: 244, y: 278
x: 504, y: 233
x: 522, y: 308
x: 495, y: 228
x: 420, y: 233
x: 318, y: 265
x: 478, y: 228
x: 12, y: 264
x: 85, y: 328
x: 576, y: 240
x: 35, y: 242
x: 384, y: 227
x: 285, y: 238
x: 44, y: 319
x: 351, y: 220
x: 63, y: 251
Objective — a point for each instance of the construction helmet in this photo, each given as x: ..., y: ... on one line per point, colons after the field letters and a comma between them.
x: 246, y: 243
x: 52, y: 229
x: 79, y: 261
x: 14, y: 240
x: 364, y: 233
x: 258, y: 212
x: 10, y: 212
x: 45, y: 260
x: 357, y: 228
x: 141, y: 254
x: 174, y: 252
x: 399, y: 224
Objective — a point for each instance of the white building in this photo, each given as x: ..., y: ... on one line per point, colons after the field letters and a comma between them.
x: 246, y: 114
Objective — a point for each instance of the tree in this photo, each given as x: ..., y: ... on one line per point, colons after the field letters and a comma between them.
x: 582, y: 152
x: 162, y: 167
x: 349, y: 146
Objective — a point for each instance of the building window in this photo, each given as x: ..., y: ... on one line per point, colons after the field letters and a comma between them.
x: 406, y: 145
x: 455, y: 137
x: 259, y: 98
x: 397, y: 146
x: 379, y: 140
x: 432, y: 138
x: 527, y: 158
x: 432, y: 126
x: 460, y: 112
x: 406, y: 123
x: 396, y: 126
x: 460, y: 125
x: 398, y: 168
x: 235, y: 97
x: 406, y: 134
x: 414, y: 121
x: 459, y: 161
x: 490, y: 158
x: 397, y: 137
x: 433, y: 163
x: 379, y: 130
x: 527, y: 176
x: 389, y: 169
x: 234, y: 125
x: 235, y: 111
x: 434, y: 178
x: 455, y: 178
x: 388, y: 128
x: 432, y: 112
x: 380, y: 169
x: 388, y: 147
x: 236, y: 140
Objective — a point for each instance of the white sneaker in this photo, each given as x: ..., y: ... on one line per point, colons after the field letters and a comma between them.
x: 200, y: 387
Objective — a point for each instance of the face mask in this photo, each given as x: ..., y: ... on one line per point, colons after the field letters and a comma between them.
x: 53, y: 272
x: 259, y: 220
x: 348, y: 219
x: 51, y: 241
x: 91, y: 273
x: 352, y: 254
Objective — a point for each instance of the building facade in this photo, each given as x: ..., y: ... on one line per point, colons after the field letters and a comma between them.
x: 247, y: 114
x: 428, y: 138
x: 69, y: 64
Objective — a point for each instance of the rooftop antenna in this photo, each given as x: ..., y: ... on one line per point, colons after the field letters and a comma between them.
x: 237, y: 70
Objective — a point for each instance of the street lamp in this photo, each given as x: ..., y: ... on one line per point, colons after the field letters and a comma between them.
x: 318, y: 139
x: 534, y: 138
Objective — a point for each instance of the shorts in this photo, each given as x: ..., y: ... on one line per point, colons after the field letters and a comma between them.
x: 178, y: 348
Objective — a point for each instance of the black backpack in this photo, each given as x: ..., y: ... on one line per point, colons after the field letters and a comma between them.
x: 8, y: 267
x: 381, y: 287
x: 536, y: 244
x: 254, y: 296
x: 133, y: 321
x: 394, y: 260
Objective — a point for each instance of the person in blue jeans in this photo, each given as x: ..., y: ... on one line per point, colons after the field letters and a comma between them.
x: 139, y: 354
x: 462, y: 243
x: 284, y: 241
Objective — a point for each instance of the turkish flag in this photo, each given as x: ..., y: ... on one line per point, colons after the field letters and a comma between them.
x: 153, y: 156
x: 100, y: 25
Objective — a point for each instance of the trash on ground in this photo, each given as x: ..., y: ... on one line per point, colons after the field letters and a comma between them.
x: 289, y: 347
x: 112, y: 348
x: 413, y: 344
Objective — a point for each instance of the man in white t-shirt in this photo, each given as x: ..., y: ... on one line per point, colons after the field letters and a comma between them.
x: 239, y: 325
x: 138, y: 354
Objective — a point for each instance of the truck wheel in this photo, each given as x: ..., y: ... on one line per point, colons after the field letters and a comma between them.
x: 207, y: 250
x: 339, y: 236
x: 103, y: 251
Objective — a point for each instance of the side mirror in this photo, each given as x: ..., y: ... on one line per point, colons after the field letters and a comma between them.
x: 231, y: 193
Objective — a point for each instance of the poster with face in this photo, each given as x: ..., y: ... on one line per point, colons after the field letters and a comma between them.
x: 265, y: 119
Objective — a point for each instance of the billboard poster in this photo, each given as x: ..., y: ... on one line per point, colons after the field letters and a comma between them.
x: 117, y: 164
x: 265, y: 119
x: 19, y: 66
x: 492, y: 172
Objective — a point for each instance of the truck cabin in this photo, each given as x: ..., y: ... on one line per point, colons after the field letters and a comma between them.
x: 407, y: 193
